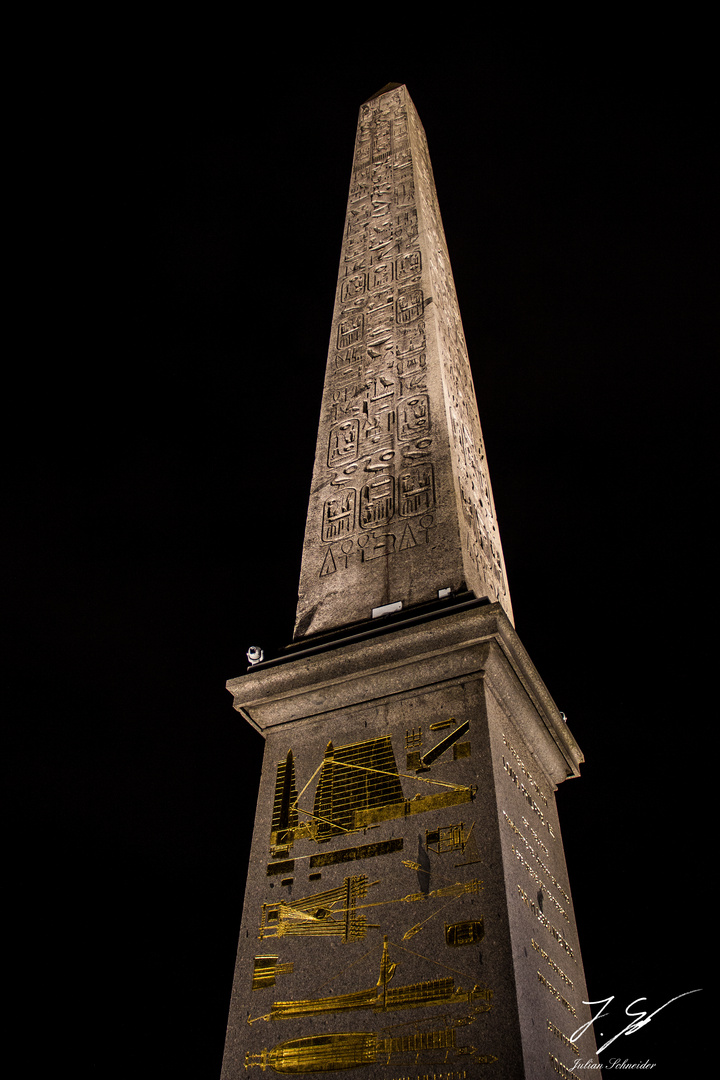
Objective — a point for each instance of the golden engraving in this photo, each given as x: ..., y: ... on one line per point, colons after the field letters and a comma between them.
x: 285, y: 817
x: 539, y: 882
x: 528, y: 826
x: 266, y: 969
x: 365, y: 851
x: 325, y: 914
x: 470, y: 850
x: 546, y: 922
x: 563, y: 1038
x: 524, y: 770
x: 561, y: 1069
x: 556, y: 993
x: 280, y: 867
x: 465, y: 933
x: 358, y: 787
x: 453, y: 838
x: 534, y: 854
x: 558, y: 971
x: 350, y: 1050
x: 453, y: 891
x: 526, y: 795
x: 443, y: 724
x: 382, y: 997
x: 419, y: 805
x: 462, y: 750
x: 372, y: 783
x: 413, y: 738
x: 446, y: 838
x: 444, y: 744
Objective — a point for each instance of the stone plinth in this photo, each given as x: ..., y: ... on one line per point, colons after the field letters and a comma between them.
x: 407, y: 909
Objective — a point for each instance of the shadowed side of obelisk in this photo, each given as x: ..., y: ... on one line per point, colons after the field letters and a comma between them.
x: 401, y: 509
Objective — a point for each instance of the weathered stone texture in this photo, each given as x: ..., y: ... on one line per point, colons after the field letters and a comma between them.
x: 401, y: 505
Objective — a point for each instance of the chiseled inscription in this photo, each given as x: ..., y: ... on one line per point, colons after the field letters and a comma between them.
x: 523, y: 769
x: 410, y: 303
x: 561, y: 1069
x: 339, y: 516
x: 413, y: 416
x: 558, y: 971
x: 539, y: 882
x: 454, y: 1074
x: 350, y: 330
x: 563, y: 1038
x: 556, y: 994
x: 377, y: 544
x: 377, y: 502
x: 343, y: 443
x: 546, y: 922
x: 530, y: 829
x: 365, y: 851
x: 416, y: 490
x: 526, y: 795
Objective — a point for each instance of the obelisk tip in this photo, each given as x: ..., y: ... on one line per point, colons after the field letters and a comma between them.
x: 385, y: 90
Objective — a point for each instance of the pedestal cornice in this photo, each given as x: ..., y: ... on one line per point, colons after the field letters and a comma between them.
x: 476, y: 643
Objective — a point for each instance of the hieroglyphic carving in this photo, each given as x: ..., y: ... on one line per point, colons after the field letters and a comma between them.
x: 446, y: 838
x: 483, y: 539
x: 376, y: 393
x: 413, y: 738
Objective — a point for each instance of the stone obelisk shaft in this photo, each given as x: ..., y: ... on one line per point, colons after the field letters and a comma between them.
x: 401, y: 506
x: 407, y: 908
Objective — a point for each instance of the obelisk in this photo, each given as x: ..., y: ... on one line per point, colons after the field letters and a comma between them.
x: 407, y: 910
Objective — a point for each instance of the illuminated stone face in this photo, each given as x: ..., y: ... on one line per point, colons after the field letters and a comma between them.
x: 406, y: 865
x: 401, y: 505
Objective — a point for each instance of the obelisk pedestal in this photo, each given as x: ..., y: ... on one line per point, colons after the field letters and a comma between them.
x: 407, y: 911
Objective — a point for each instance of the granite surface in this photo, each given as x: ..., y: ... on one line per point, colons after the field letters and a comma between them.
x: 401, y: 505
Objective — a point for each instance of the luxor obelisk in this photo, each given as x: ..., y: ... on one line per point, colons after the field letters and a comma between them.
x: 407, y: 910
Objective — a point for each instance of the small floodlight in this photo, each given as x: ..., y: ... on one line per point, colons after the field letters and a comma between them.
x: 255, y: 654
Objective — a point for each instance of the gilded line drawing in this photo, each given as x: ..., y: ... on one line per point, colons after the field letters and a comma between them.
x: 358, y: 786
x: 453, y: 891
x: 443, y: 724
x: 350, y: 1050
x: 266, y: 969
x: 383, y: 997
x: 335, y: 912
x: 332, y: 913
x: 465, y: 933
x: 426, y: 760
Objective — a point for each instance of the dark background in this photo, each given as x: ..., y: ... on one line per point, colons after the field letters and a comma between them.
x: 183, y: 240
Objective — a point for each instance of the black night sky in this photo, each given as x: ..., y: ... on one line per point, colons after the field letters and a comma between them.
x: 171, y: 373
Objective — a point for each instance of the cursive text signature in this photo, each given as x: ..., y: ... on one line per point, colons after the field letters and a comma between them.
x: 640, y: 1019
